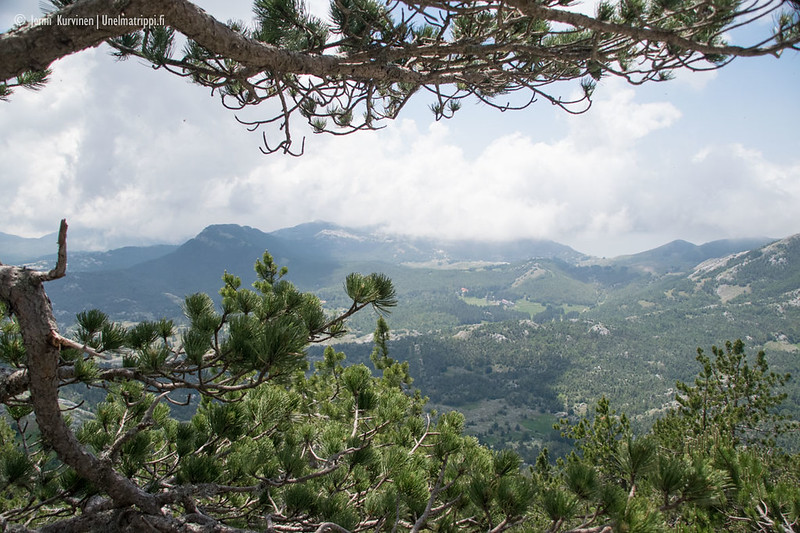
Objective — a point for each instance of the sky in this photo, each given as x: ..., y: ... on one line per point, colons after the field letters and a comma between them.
x: 131, y: 155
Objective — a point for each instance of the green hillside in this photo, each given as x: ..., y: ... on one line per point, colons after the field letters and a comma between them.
x: 511, y: 343
x: 574, y: 340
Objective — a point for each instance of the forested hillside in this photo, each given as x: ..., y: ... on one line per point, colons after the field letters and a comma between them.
x: 579, y: 333
x: 510, y: 341
x: 246, y: 382
x: 277, y: 444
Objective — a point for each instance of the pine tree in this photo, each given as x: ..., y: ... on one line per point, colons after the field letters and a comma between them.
x: 362, y: 65
x: 711, y: 464
x: 271, y: 446
x: 732, y: 400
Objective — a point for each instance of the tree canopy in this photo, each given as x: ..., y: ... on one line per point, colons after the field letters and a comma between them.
x: 361, y: 65
x: 274, y: 446
x: 93, y: 438
x: 270, y: 446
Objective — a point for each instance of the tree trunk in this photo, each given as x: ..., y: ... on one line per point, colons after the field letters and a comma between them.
x: 23, y: 292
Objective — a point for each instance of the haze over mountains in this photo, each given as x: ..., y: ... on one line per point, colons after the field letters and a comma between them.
x: 143, y: 282
x: 321, y: 240
x: 317, y: 238
x: 15, y: 249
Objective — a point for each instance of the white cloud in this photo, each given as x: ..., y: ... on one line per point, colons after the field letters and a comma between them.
x: 744, y: 193
x: 617, y: 120
x: 696, y: 81
x: 140, y: 154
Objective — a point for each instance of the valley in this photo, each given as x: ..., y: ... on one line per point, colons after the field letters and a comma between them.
x: 514, y: 335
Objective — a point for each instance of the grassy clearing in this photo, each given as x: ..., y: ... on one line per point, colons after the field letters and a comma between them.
x: 781, y: 346
x: 526, y: 306
x: 480, y: 302
x: 578, y: 308
x: 540, y: 425
x: 483, y: 415
x: 523, y: 305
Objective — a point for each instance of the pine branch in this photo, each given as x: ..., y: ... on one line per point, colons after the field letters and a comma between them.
x: 434, y: 493
x: 113, y: 451
x: 23, y: 292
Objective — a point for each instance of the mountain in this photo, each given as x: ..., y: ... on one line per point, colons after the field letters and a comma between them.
x: 84, y: 244
x: 116, y: 259
x: 515, y: 335
x: 768, y: 274
x: 16, y: 250
x: 310, y: 241
x: 527, y: 343
x: 348, y: 244
x: 680, y: 256
x: 156, y: 287
x: 323, y: 241
x: 137, y: 283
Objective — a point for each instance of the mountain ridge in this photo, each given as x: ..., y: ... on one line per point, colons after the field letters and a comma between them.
x: 495, y: 339
x: 135, y: 285
x: 377, y: 245
x: 14, y: 249
x: 680, y: 255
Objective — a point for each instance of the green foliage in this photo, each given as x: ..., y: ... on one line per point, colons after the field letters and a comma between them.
x: 634, y: 458
x: 338, y: 445
x: 597, y: 439
x: 374, y: 289
x: 361, y: 23
x: 12, y: 351
x: 670, y: 477
x: 394, y: 372
x: 30, y: 79
x: 732, y: 400
x: 335, y: 445
x: 285, y: 23
x: 272, y: 443
x: 15, y: 468
x: 558, y: 505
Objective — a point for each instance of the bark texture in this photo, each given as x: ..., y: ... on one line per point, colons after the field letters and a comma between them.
x: 35, y: 47
x: 22, y: 290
